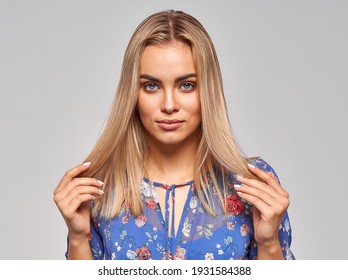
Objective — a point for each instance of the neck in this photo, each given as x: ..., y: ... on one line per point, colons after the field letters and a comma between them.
x: 171, y: 164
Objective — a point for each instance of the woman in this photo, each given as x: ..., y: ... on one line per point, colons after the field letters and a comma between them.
x: 166, y: 178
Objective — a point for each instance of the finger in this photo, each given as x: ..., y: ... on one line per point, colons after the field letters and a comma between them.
x: 269, y: 179
x: 75, y: 196
x: 262, y: 195
x: 256, y: 216
x: 259, y: 186
x: 257, y: 203
x: 69, y: 209
x: 271, y: 198
x: 264, y: 176
x: 267, y: 212
x: 76, y: 182
x: 70, y: 174
x: 79, y: 190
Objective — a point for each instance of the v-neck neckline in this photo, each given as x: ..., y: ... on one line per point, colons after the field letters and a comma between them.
x: 172, y: 237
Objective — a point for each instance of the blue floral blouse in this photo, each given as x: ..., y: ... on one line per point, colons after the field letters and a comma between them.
x: 200, y: 236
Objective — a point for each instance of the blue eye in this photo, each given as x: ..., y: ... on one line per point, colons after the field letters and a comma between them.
x: 187, y: 86
x: 150, y: 87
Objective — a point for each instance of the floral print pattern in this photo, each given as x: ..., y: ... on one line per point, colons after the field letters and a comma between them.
x: 200, y: 235
x: 234, y: 205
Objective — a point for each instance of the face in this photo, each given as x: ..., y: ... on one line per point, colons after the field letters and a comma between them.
x: 168, y: 101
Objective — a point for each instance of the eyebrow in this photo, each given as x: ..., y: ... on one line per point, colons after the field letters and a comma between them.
x: 178, y: 79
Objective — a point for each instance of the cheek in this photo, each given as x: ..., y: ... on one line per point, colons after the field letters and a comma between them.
x: 198, y: 115
x: 144, y: 108
x: 196, y: 108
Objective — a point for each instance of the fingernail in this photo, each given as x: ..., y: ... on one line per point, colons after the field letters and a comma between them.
x: 239, y: 177
x: 237, y: 186
x: 239, y: 193
x: 87, y: 163
x: 101, y: 191
x: 100, y: 182
x: 251, y: 166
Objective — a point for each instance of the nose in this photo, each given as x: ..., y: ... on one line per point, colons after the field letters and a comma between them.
x: 170, y: 103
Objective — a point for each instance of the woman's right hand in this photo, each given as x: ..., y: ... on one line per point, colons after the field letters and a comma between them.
x: 72, y: 196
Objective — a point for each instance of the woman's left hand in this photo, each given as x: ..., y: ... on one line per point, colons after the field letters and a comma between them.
x: 270, y: 202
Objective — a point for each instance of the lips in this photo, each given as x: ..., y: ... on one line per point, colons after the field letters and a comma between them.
x: 170, y: 124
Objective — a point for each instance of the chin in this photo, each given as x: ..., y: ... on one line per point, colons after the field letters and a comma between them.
x: 170, y: 141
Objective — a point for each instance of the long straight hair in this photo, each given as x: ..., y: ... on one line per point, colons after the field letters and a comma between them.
x: 119, y: 155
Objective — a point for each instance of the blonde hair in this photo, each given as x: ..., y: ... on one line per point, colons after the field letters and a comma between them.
x: 122, y: 148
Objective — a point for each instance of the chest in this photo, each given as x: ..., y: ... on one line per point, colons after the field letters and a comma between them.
x: 172, y: 203
x: 198, y: 235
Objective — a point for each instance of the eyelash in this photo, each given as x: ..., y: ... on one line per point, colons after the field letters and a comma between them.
x: 145, y: 86
x: 192, y: 86
x: 150, y: 84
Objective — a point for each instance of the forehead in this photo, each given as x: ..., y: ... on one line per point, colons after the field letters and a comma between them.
x: 173, y: 58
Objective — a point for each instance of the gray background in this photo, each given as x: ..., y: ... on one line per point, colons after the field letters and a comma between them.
x: 284, y: 66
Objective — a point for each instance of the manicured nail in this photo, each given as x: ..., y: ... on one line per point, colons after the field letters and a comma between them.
x: 239, y: 177
x: 87, y: 163
x: 251, y: 166
x: 239, y: 193
x: 237, y: 186
x: 100, y: 182
x: 101, y: 191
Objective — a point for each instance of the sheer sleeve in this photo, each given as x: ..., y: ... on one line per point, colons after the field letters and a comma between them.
x: 96, y: 241
x: 284, y: 234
